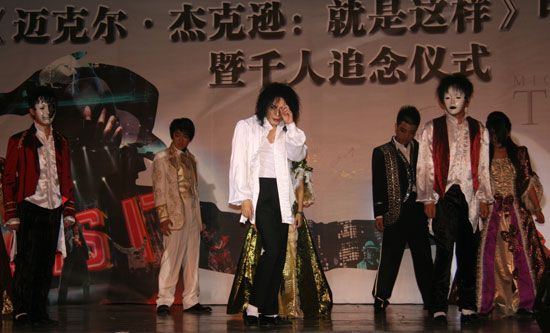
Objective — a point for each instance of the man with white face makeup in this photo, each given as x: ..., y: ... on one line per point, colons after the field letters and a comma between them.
x: 453, y: 182
x: 38, y: 190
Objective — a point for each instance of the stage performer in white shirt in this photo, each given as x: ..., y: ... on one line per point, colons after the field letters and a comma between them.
x: 176, y: 192
x: 38, y: 193
x: 453, y: 182
x: 259, y: 182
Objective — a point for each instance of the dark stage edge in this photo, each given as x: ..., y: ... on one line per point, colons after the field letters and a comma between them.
x: 345, y: 318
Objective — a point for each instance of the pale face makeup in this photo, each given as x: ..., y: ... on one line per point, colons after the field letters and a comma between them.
x: 43, y: 113
x: 455, y: 101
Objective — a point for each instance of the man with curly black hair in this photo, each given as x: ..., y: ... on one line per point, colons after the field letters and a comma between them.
x: 259, y: 182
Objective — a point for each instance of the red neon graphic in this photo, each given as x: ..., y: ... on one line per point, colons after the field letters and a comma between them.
x: 135, y: 224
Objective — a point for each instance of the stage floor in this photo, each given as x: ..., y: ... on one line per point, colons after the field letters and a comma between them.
x: 349, y: 317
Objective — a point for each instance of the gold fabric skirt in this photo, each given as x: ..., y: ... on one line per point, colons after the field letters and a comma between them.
x: 304, y: 290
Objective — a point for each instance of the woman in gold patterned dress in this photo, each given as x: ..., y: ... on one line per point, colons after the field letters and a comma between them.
x: 304, y: 290
x: 511, y: 257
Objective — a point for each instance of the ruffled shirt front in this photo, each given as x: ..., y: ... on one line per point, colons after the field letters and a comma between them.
x: 47, y: 193
x: 460, y: 171
x: 244, y: 169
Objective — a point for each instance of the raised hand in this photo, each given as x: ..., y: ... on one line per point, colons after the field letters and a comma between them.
x: 286, y: 114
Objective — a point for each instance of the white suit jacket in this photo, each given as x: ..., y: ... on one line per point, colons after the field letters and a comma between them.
x: 166, y: 187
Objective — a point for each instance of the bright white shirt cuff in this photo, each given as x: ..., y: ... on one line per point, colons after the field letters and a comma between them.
x: 13, y: 221
x: 69, y: 219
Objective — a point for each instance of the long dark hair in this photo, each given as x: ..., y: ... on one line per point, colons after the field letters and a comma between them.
x: 273, y: 91
x: 500, y: 127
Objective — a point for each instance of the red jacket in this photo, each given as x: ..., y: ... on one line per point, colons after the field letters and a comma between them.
x: 22, y: 170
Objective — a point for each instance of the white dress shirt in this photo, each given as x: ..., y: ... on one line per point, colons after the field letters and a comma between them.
x: 405, y: 150
x: 460, y: 168
x: 48, y: 194
x: 266, y: 154
x: 244, y: 169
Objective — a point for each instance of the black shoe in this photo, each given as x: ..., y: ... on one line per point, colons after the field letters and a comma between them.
x: 523, y: 312
x: 440, y: 320
x: 198, y: 308
x: 22, y: 321
x: 380, y: 305
x: 274, y: 321
x: 250, y: 320
x: 470, y: 319
x: 163, y: 310
x: 45, y: 322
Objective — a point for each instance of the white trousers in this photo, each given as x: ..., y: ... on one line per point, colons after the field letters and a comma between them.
x: 181, y: 248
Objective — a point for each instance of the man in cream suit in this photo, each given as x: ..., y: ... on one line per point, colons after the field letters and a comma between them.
x: 177, y: 202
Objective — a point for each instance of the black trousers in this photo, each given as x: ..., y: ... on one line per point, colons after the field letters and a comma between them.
x: 274, y: 235
x: 6, y: 281
x: 36, y: 248
x: 412, y: 229
x: 451, y: 226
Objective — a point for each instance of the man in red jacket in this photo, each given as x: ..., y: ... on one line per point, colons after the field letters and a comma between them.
x: 454, y: 183
x: 38, y: 190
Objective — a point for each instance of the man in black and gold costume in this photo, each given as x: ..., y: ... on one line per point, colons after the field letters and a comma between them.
x: 397, y: 213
